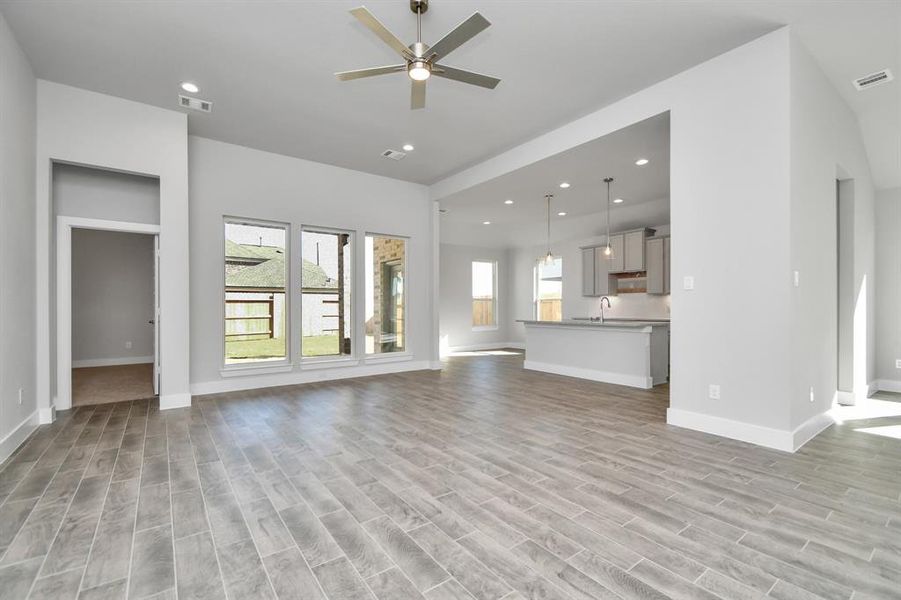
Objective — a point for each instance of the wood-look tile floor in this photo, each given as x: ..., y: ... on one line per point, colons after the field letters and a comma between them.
x: 482, y: 481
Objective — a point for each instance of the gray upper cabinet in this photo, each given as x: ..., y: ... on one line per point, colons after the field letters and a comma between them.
x: 658, y: 268
x: 633, y: 251
x: 604, y: 281
x: 588, y: 272
x: 617, y: 262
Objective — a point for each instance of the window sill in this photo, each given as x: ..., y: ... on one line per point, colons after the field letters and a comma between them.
x: 255, y: 369
x: 328, y: 363
x: 388, y: 357
x: 485, y: 328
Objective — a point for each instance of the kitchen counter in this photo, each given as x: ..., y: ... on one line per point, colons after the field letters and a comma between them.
x: 626, y: 352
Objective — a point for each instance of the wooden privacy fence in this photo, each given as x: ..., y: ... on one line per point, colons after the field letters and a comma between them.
x: 483, y: 312
x: 250, y: 318
x: 550, y: 310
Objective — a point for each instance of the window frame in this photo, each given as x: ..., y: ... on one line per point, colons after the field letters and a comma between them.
x: 406, y: 353
x: 494, y: 290
x: 332, y: 359
x: 263, y: 366
x: 536, y: 269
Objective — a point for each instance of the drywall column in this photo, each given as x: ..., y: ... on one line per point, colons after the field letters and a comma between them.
x: 846, y: 300
x: 85, y: 128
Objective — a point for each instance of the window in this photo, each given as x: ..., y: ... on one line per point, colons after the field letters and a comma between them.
x: 255, y: 301
x: 326, y: 282
x: 484, y: 294
x: 385, y: 295
x: 549, y: 290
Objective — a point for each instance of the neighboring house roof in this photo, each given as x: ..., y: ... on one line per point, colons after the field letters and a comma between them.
x: 269, y: 270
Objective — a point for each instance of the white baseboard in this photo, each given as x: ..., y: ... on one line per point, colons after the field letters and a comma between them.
x: 636, y: 381
x: 888, y: 385
x: 778, y: 439
x: 483, y: 346
x: 19, y: 434
x: 436, y: 365
x: 252, y: 382
x: 845, y: 398
x: 111, y: 362
x: 47, y: 415
x: 168, y: 401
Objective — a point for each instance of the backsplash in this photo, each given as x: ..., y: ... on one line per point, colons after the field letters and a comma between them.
x: 642, y: 306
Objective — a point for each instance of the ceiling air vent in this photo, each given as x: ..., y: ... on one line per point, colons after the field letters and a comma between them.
x: 873, y: 79
x: 195, y: 103
x: 394, y: 154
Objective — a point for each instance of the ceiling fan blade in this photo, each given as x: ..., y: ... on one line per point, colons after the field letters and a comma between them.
x: 371, y: 72
x: 461, y: 34
x: 417, y: 95
x: 485, y: 81
x: 368, y: 19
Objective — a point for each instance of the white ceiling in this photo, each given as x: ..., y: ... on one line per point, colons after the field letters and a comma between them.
x: 643, y: 189
x: 267, y: 66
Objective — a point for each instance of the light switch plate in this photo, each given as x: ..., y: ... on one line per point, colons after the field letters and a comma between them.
x: 688, y: 282
x: 898, y: 364
x: 713, y: 391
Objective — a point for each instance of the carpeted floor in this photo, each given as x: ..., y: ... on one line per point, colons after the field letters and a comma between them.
x: 99, y: 385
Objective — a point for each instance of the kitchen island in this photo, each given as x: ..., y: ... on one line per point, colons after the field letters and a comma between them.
x: 624, y: 352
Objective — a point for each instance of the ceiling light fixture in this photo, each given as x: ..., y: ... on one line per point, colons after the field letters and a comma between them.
x: 561, y: 214
x: 508, y: 201
x: 618, y: 201
x: 549, y: 258
x: 486, y: 222
x: 608, y: 251
x: 419, y: 70
x: 564, y: 185
x: 408, y: 148
x: 189, y: 87
x: 642, y: 162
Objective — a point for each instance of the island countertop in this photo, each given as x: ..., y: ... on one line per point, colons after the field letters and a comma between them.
x: 630, y: 325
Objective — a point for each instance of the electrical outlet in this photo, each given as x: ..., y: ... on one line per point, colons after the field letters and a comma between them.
x: 688, y: 282
x: 797, y: 278
x: 898, y: 364
x: 20, y: 396
x: 128, y: 345
x: 811, y: 394
x: 713, y: 391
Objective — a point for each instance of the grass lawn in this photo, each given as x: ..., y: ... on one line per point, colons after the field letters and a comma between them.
x: 314, y: 345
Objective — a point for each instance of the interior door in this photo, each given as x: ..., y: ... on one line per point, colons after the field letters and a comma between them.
x: 156, y: 315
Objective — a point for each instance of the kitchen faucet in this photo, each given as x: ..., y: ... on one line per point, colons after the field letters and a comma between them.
x: 602, y: 306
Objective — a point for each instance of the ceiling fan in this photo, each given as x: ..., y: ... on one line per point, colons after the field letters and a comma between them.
x: 420, y: 59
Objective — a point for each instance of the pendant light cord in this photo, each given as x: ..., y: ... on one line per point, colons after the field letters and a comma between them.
x: 548, y: 198
x: 608, y: 181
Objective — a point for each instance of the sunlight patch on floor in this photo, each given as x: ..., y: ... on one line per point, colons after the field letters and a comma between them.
x: 484, y: 353
x: 871, y: 408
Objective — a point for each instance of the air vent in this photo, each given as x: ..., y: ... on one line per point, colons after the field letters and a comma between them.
x: 195, y: 103
x: 873, y: 79
x: 394, y: 154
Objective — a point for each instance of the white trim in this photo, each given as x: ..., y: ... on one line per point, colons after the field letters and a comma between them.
x: 636, y: 381
x: 485, y: 346
x: 388, y: 357
x: 259, y: 381
x: 888, y: 385
x: 12, y: 440
x: 778, y: 439
x: 328, y: 363
x: 261, y: 368
x: 485, y: 327
x: 111, y: 362
x: 47, y: 415
x: 436, y: 365
x: 168, y: 401
x: 64, y: 227
x: 845, y: 398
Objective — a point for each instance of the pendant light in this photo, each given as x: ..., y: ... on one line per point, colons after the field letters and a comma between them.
x: 549, y: 258
x: 608, y: 251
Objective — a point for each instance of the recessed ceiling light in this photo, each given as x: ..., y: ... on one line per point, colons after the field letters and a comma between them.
x: 508, y: 201
x: 486, y: 222
x: 618, y: 201
x: 641, y: 162
x: 189, y: 87
x: 561, y: 214
x: 564, y: 185
x: 408, y: 148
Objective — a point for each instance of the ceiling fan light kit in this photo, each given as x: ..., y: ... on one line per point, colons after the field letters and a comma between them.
x: 420, y: 59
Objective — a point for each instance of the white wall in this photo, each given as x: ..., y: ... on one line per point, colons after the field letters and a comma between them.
x: 522, y: 263
x: 455, y: 308
x: 112, y: 296
x: 230, y: 180
x: 730, y: 181
x: 826, y: 144
x: 888, y: 288
x: 99, y: 194
x: 17, y: 295
x: 86, y: 128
